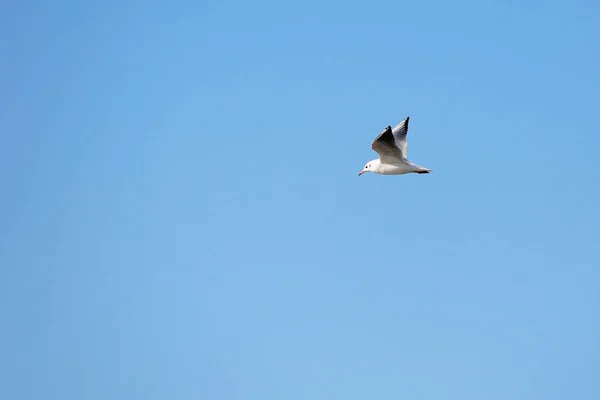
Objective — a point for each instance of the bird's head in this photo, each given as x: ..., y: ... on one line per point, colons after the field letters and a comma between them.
x: 371, y: 166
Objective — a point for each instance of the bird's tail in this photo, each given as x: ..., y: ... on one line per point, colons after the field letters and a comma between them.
x: 422, y: 170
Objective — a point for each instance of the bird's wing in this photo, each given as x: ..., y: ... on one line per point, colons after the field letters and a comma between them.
x: 400, y: 131
x: 385, y: 146
x: 391, y: 143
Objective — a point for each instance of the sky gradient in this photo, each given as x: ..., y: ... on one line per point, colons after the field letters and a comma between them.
x: 181, y: 216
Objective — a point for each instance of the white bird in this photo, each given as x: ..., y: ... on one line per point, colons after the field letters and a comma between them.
x: 392, y: 149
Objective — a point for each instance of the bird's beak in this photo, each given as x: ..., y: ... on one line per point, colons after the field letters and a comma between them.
x: 361, y: 172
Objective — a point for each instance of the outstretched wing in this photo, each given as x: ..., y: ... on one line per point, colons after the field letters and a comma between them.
x: 391, y: 143
x: 400, y: 131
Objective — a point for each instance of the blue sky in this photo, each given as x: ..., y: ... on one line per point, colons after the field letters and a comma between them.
x: 182, y: 218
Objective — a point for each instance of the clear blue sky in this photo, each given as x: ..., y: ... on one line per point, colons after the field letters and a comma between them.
x: 181, y: 216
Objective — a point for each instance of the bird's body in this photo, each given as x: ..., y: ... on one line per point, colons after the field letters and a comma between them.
x: 392, y: 148
x: 399, y: 168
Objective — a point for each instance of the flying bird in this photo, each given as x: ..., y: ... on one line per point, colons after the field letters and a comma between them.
x: 392, y: 149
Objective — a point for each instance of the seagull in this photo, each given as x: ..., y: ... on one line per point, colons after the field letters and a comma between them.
x: 392, y: 148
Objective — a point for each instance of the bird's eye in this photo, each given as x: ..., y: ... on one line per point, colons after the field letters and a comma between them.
x: 367, y: 166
